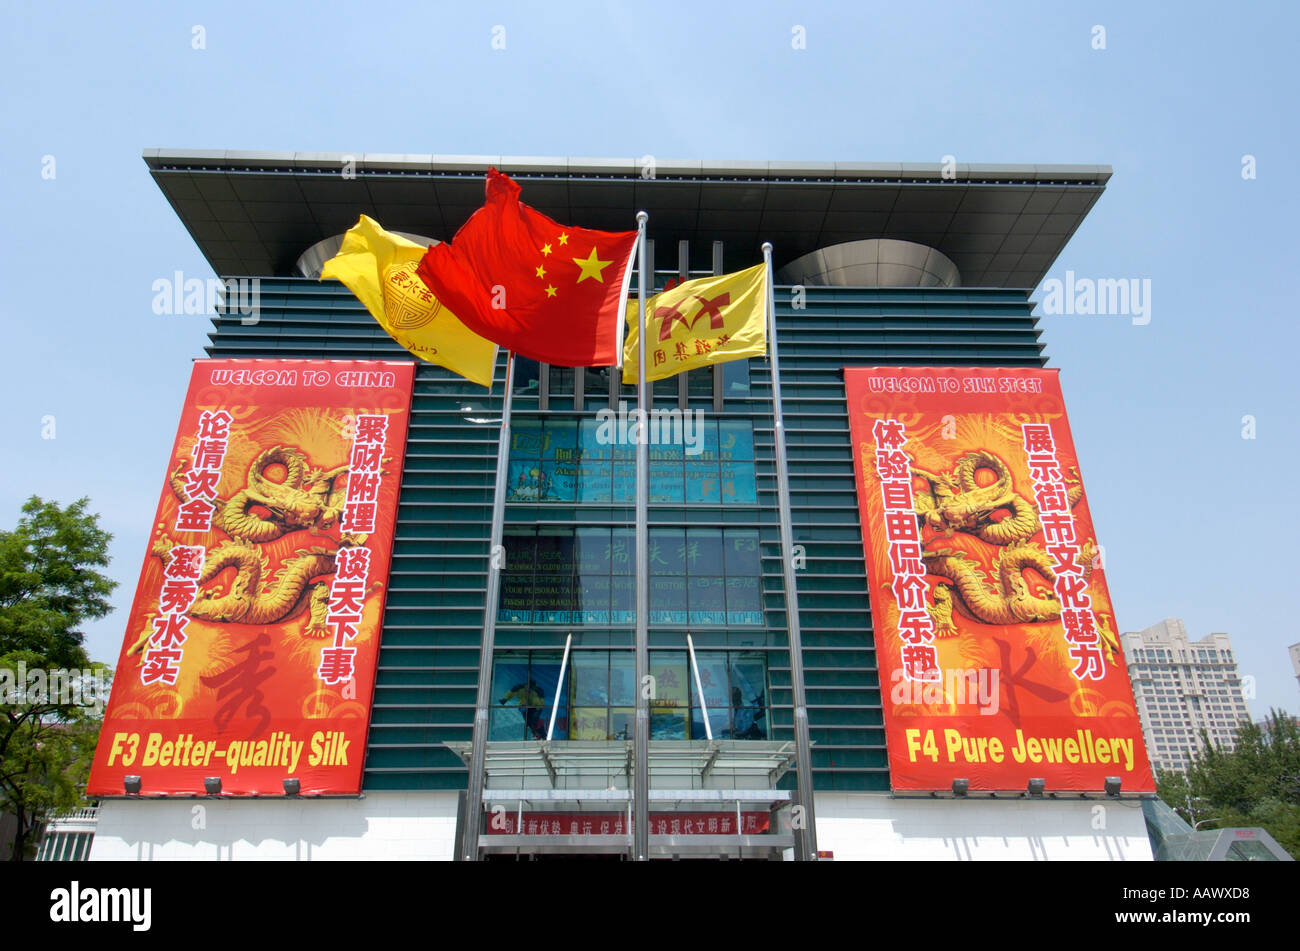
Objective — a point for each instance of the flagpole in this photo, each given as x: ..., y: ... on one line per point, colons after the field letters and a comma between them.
x: 496, y: 561
x: 807, y: 850
x: 641, y: 772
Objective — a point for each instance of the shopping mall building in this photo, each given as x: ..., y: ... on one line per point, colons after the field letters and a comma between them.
x: 876, y: 264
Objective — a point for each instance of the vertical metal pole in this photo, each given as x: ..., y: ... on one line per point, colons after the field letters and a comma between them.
x: 803, y: 745
x: 641, y: 772
x: 699, y: 688
x: 719, y: 391
x: 496, y: 561
x: 683, y: 275
x: 555, y: 706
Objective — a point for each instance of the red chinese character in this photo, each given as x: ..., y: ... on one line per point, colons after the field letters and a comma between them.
x: 352, y: 563
x: 347, y: 597
x: 208, y: 453
x: 366, y: 457
x: 1038, y: 437
x: 1065, y: 556
x: 702, y: 347
x: 186, y: 562
x: 920, y: 662
x: 681, y: 355
x: 337, y: 664
x: 889, y: 434
x: 372, y: 428
x: 169, y: 630
x: 177, y: 595
x: 897, y: 495
x: 364, y: 486
x: 659, y: 358
x: 359, y: 517
x: 202, y: 483
x: 194, y: 516
x: 893, y: 464
x: 1043, y: 467
x: 345, y: 627
x: 1072, y: 592
x: 1091, y: 665
x: 724, y: 340
x: 1079, y: 626
x: 160, y: 666
x: 1051, y: 498
x: 906, y: 559
x: 1058, y: 528
x: 901, y: 527
x: 910, y: 591
x: 215, y: 425
x: 915, y: 627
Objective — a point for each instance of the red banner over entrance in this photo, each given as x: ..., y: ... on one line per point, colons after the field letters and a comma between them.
x: 251, y: 646
x: 998, y: 650
x: 615, y: 823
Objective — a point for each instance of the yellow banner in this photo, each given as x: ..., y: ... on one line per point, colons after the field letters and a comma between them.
x: 379, y: 267
x: 708, y: 320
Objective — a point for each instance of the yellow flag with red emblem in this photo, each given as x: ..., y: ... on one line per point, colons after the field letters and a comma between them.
x: 698, y: 323
x: 379, y: 268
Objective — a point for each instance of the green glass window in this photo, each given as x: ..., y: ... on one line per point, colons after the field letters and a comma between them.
x: 692, y: 460
x: 524, y: 688
x: 584, y: 576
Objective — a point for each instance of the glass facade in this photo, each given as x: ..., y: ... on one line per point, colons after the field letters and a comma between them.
x: 597, y: 701
x: 716, y: 570
x: 569, y: 459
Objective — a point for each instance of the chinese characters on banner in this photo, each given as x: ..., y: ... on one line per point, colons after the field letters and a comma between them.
x: 903, y: 536
x: 352, y: 565
x: 1051, y: 497
x: 615, y: 823
x: 997, y: 646
x: 251, y: 645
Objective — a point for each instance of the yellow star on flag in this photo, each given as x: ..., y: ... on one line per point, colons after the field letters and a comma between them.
x: 546, y: 249
x: 564, y: 238
x: 591, y: 267
x: 550, y: 290
x: 541, y: 271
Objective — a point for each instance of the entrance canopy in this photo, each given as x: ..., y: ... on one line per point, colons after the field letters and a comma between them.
x: 713, y: 798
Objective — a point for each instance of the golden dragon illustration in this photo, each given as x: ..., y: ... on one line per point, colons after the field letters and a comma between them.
x: 956, y: 502
x: 307, y: 499
x: 310, y: 499
x: 255, y: 596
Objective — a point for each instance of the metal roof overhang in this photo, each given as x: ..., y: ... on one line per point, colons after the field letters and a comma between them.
x: 721, y: 774
x: 592, y: 770
x: 254, y: 213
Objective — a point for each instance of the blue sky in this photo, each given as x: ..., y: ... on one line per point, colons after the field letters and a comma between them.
x: 1198, y: 523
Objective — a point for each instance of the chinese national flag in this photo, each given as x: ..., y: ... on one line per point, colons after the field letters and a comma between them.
x: 547, y: 291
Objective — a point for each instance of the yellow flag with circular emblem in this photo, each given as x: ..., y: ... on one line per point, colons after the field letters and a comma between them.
x: 700, y: 322
x: 379, y: 268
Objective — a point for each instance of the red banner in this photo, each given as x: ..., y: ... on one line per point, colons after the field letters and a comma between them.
x: 998, y: 650
x: 615, y: 823
x: 251, y: 646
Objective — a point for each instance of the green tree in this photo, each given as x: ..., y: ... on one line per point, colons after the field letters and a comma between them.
x: 49, y: 585
x: 1255, y: 784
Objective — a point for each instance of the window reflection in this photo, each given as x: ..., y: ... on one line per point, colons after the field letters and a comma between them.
x: 698, y: 576
x: 590, y: 461
x: 597, y: 700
